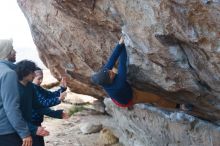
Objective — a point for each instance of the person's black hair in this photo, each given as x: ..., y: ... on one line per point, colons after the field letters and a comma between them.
x: 101, y: 77
x: 24, y: 68
x: 38, y: 68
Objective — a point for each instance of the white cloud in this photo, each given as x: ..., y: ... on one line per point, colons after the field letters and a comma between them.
x: 14, y: 25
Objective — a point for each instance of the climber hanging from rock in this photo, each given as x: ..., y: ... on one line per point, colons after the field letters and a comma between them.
x: 117, y: 87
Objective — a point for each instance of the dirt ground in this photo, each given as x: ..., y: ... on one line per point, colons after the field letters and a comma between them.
x: 67, y: 132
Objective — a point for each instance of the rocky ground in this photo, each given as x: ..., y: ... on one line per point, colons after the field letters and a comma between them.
x: 68, y: 133
x: 76, y: 131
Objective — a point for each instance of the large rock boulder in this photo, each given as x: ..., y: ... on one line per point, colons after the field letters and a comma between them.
x: 173, y: 45
x: 149, y: 126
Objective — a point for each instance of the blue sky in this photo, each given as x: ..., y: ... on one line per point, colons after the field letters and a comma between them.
x: 14, y: 25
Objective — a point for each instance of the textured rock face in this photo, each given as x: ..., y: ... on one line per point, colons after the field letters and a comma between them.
x: 173, y: 45
x: 148, y: 126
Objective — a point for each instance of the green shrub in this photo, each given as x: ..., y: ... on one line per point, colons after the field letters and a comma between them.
x: 76, y: 108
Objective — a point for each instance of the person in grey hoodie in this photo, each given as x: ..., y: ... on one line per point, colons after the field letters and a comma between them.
x: 13, y: 128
